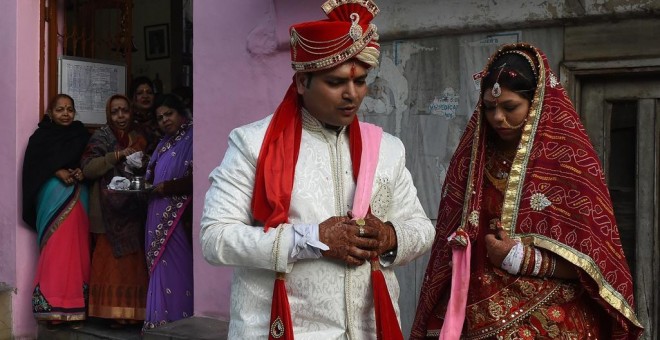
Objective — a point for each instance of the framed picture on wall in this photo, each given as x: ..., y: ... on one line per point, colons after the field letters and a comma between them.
x: 157, y: 41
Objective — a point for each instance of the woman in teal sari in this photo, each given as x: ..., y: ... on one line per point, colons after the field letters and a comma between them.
x: 55, y: 205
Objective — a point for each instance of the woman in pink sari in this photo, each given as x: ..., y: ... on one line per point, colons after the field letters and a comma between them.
x: 55, y: 204
x: 168, y: 243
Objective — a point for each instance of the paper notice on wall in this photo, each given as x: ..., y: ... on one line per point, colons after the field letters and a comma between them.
x: 498, y: 39
x: 90, y: 83
x: 445, y: 105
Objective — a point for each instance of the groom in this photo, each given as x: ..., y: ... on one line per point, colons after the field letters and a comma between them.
x: 280, y: 200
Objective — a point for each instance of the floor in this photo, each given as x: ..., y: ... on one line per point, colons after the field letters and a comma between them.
x: 195, y: 328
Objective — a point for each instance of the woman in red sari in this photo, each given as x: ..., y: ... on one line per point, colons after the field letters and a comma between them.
x: 527, y: 220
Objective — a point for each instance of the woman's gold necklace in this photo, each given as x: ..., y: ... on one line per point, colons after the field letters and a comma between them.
x: 498, y: 166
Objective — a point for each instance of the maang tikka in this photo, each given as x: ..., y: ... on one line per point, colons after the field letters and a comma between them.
x: 496, y: 91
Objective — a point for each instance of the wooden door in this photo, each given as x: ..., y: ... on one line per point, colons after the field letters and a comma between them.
x: 622, y: 117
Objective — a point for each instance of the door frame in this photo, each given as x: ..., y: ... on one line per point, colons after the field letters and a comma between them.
x: 571, y: 74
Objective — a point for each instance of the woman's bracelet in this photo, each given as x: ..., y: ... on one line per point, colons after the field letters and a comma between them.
x: 528, y: 260
x: 553, y: 266
x: 526, y: 264
x: 545, y: 264
x: 538, y: 259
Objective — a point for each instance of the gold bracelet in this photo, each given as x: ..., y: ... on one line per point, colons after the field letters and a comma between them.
x: 545, y: 263
x: 553, y: 266
x: 532, y: 261
x: 525, y: 264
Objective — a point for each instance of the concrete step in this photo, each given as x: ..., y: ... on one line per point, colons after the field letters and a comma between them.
x: 194, y: 328
x: 91, y: 329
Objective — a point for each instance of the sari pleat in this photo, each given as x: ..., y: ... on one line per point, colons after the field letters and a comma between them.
x: 118, y: 285
x: 62, y: 277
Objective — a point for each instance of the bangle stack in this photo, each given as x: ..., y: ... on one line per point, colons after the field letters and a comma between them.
x: 542, y: 263
x: 530, y: 261
x: 553, y: 265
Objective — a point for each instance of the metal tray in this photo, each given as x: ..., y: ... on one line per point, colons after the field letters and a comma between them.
x: 148, y: 187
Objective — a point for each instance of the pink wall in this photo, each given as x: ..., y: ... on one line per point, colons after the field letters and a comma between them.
x: 242, y: 68
x: 8, y: 151
x: 241, y: 71
x: 19, y: 86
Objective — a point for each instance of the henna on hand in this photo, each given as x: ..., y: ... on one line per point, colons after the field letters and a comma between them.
x: 382, y: 232
x: 498, y: 246
x: 341, y: 235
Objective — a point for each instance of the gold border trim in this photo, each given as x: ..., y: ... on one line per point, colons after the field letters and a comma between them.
x: 586, y: 263
x: 127, y: 313
x: 471, y: 169
x: 330, y: 5
x: 513, y: 193
x: 61, y: 217
x: 337, y: 58
x: 276, y: 246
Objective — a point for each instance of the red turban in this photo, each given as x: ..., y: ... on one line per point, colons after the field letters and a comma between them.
x: 347, y: 33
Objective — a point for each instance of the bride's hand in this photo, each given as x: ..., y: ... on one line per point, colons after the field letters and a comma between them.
x: 498, y: 246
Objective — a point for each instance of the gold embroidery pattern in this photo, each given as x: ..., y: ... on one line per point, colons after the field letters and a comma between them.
x: 474, y: 218
x: 63, y: 214
x: 516, y: 302
x: 277, y: 328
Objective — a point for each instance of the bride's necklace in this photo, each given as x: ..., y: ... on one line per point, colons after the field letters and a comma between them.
x: 498, y: 165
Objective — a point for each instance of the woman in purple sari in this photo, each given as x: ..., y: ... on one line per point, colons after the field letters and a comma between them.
x: 168, y: 244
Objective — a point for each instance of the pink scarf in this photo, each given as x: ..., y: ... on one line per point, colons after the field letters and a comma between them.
x: 371, y: 136
x: 460, y: 281
x: 387, y: 324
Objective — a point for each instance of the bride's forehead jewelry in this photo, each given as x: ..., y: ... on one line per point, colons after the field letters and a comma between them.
x: 496, y: 91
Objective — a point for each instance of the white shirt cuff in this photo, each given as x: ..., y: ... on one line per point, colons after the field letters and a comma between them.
x: 306, y: 244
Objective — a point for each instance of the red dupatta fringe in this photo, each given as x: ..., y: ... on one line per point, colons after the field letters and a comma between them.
x: 281, y: 326
x: 387, y: 325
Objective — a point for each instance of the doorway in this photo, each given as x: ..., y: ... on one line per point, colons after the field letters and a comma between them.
x: 621, y: 113
x: 152, y: 39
